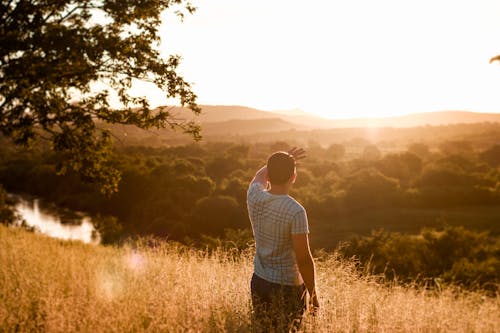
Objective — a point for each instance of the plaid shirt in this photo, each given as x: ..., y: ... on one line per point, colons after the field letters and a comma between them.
x: 274, y: 219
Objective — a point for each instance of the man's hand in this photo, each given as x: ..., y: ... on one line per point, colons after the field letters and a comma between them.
x: 297, y: 153
x: 314, y: 304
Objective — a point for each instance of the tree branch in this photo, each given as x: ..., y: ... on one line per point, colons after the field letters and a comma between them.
x: 69, y: 13
x: 7, y: 12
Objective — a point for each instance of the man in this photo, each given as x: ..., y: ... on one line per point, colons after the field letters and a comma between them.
x: 283, y: 264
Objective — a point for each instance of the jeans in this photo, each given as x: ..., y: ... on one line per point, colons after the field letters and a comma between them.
x: 276, y: 307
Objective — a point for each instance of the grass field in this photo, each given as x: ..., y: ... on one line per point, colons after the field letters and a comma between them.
x: 48, y: 285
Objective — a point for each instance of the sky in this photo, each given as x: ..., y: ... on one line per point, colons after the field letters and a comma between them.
x: 340, y: 59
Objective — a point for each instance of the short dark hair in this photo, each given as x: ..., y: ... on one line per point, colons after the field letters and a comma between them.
x: 280, y: 167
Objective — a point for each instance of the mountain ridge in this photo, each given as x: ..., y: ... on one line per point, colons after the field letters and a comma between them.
x: 224, y: 113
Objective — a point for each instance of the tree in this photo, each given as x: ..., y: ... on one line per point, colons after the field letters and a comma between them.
x: 456, y: 147
x: 53, y: 54
x: 213, y: 214
x: 369, y: 188
x: 371, y: 153
x: 336, y: 151
x: 7, y: 215
x: 403, y: 166
x: 419, y: 149
x: 491, y: 155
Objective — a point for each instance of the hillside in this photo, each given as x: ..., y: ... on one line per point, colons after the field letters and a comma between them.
x: 48, y: 285
x: 222, y: 131
x: 438, y: 118
x: 243, y: 124
x: 220, y: 113
x: 249, y: 126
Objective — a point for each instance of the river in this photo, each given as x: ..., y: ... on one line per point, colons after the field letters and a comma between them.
x: 54, y: 221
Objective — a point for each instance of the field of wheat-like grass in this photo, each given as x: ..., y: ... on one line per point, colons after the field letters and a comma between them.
x: 48, y: 285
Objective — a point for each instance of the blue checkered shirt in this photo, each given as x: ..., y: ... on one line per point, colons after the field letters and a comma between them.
x: 274, y: 219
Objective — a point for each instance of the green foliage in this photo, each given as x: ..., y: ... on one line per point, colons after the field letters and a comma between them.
x: 215, y: 213
x: 335, y: 151
x: 232, y: 241
x: 456, y: 254
x: 369, y: 188
x: 109, y: 229
x: 220, y: 166
x: 371, y: 153
x: 55, y: 52
x: 454, y: 147
x: 7, y: 215
x: 476, y: 273
x: 455, y: 180
x: 402, y: 166
x: 280, y: 146
x: 419, y: 149
x: 491, y: 155
x: 305, y: 179
x: 236, y: 187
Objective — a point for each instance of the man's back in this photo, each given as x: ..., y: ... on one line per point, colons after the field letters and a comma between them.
x: 283, y: 267
x: 274, y: 219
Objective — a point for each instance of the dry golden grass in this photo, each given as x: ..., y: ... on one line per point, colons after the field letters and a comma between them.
x: 58, y: 286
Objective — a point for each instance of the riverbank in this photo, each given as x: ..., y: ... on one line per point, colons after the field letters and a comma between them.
x: 51, y: 285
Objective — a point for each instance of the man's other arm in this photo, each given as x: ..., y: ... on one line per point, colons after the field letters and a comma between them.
x: 261, y: 176
x: 306, y: 265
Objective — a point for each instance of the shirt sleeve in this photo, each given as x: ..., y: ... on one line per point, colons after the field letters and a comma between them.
x: 299, y: 223
x: 253, y: 190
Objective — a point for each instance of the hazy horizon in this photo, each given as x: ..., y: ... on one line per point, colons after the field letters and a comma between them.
x: 300, y: 112
x: 339, y: 59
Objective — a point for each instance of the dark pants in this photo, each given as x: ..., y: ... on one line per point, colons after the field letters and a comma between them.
x: 277, y: 307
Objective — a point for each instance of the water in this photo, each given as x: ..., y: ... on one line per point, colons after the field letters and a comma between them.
x: 55, y: 222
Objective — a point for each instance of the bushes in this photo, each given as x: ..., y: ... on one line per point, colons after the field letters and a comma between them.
x: 456, y: 254
x: 404, y: 167
x: 369, y: 188
x: 109, y: 229
x: 213, y: 214
x: 7, y: 215
x: 491, y: 156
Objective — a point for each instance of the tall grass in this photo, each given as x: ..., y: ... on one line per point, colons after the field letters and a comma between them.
x: 58, y: 286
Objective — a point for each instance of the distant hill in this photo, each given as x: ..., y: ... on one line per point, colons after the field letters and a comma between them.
x: 210, y: 129
x: 421, y: 119
x: 248, y: 126
x: 217, y: 113
x: 239, y: 122
x: 292, y: 112
x: 221, y: 113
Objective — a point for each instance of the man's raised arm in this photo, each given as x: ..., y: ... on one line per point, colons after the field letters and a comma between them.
x: 261, y: 176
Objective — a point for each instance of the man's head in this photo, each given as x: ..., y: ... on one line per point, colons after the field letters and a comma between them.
x: 281, y: 168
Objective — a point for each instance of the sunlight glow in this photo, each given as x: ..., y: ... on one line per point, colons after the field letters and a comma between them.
x: 135, y: 262
x: 340, y: 59
x: 109, y: 285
